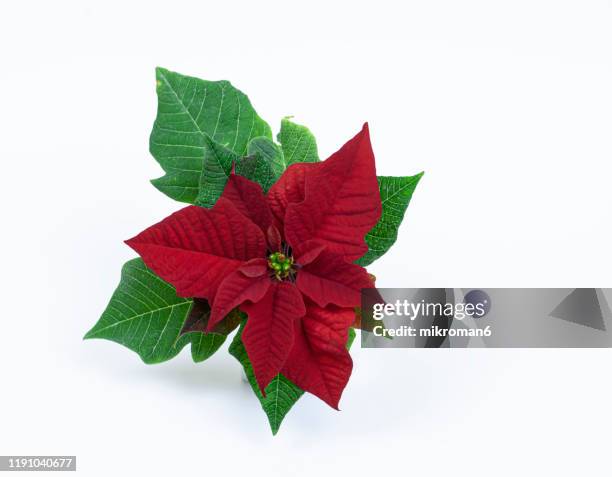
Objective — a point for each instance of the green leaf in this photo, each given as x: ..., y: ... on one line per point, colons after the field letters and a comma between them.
x: 269, y: 152
x: 351, y: 338
x: 258, y: 169
x: 263, y: 164
x: 281, y: 394
x: 395, y: 195
x: 146, y: 315
x: 298, y: 143
x: 204, y: 345
x: 189, y: 111
x: 216, y: 169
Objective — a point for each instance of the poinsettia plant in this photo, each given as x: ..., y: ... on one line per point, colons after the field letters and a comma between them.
x: 274, y: 246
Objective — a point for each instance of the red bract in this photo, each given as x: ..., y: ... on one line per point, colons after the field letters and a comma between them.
x: 286, y: 259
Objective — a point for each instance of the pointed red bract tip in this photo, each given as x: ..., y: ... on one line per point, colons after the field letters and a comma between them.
x: 341, y: 201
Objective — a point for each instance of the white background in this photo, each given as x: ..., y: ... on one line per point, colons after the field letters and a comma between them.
x: 507, y: 106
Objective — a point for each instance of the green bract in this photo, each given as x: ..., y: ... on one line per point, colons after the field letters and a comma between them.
x: 190, y: 111
x: 395, y: 195
x: 146, y: 316
x: 202, y: 131
x: 298, y: 143
x: 216, y: 168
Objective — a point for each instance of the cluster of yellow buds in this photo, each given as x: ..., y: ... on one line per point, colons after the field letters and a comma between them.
x: 280, y: 264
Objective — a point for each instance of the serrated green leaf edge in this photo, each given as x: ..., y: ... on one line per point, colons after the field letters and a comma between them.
x: 145, y: 315
x: 281, y: 393
x: 395, y: 195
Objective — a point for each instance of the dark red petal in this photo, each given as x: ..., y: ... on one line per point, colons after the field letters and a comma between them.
x: 319, y: 361
x: 195, y: 248
x: 268, y: 335
x: 274, y: 239
x: 330, y: 279
x: 249, y: 199
x: 289, y: 189
x: 306, y: 252
x: 341, y: 201
x: 234, y: 290
x: 255, y: 267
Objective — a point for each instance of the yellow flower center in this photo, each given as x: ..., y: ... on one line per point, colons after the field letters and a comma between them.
x: 281, y: 265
